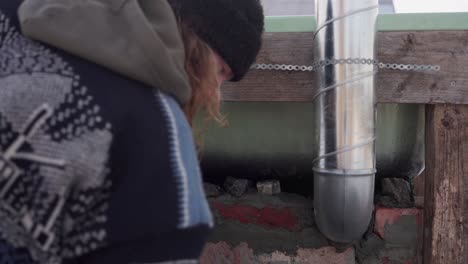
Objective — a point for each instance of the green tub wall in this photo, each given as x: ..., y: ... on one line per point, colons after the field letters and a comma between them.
x: 276, y: 140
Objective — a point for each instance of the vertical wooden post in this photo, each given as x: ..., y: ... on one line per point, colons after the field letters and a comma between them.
x: 446, y: 190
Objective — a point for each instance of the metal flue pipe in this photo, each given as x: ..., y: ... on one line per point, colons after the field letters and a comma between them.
x: 344, y: 169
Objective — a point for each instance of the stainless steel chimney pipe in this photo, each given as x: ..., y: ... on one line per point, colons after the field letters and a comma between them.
x: 344, y: 169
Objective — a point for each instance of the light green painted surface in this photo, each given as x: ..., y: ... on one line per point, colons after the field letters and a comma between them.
x: 280, y: 136
x: 385, y: 22
x: 434, y: 21
x: 290, y: 24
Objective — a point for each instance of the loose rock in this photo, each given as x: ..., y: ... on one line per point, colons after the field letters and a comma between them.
x: 368, y: 249
x: 236, y: 187
x: 212, y: 190
x: 269, y: 187
x: 396, y: 193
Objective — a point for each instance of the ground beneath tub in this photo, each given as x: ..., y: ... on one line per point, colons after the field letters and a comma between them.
x: 259, y: 228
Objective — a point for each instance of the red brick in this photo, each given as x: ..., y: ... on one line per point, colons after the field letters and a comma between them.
x: 267, y: 217
x: 388, y: 216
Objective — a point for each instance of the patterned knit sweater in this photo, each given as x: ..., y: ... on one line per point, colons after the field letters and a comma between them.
x: 94, y: 167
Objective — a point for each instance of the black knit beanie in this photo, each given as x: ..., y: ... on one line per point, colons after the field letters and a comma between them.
x: 233, y: 28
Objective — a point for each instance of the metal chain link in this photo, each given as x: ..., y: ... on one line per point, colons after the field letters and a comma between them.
x: 323, y: 63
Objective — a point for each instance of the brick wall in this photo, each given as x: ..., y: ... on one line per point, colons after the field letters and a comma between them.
x: 258, y: 228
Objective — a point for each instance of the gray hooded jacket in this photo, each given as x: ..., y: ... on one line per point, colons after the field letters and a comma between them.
x: 136, y: 38
x: 96, y: 167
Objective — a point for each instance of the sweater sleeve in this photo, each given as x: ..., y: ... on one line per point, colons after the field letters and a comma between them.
x: 158, y: 209
x: 193, y: 206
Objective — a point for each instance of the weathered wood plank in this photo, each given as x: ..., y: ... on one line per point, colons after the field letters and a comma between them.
x: 446, y: 192
x: 449, y: 49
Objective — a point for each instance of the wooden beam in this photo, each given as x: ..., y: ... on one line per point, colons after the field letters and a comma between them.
x: 446, y: 192
x: 449, y: 49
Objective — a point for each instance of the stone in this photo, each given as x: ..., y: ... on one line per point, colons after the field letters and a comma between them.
x: 367, y: 250
x: 212, y: 190
x: 398, y: 226
x: 269, y: 187
x: 325, y: 255
x: 396, y: 193
x: 313, y: 238
x: 236, y: 187
x: 222, y: 252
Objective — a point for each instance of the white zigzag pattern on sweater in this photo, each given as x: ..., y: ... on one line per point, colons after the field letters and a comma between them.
x: 177, y: 164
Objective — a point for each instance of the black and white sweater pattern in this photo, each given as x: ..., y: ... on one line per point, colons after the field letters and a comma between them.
x: 88, y: 159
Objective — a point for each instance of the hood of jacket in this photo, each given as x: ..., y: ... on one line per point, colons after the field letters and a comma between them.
x: 136, y: 38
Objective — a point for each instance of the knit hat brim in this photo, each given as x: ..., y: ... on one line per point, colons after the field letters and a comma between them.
x: 233, y: 28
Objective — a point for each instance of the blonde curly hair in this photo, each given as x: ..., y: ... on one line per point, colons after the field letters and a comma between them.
x: 201, y: 69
